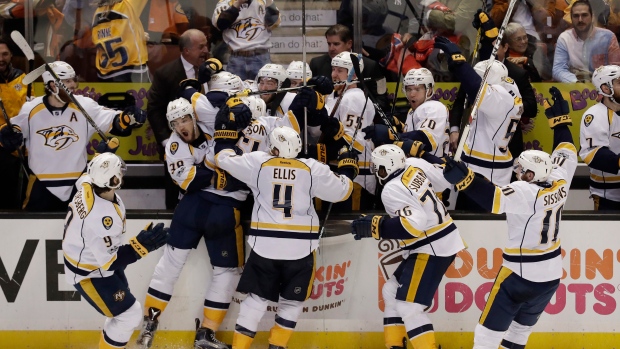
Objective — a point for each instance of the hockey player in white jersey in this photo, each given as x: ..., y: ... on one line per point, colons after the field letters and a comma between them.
x: 427, y: 119
x: 532, y: 266
x: 295, y: 75
x: 600, y: 145
x: 56, y: 135
x: 94, y: 254
x: 349, y: 113
x: 284, y: 231
x: 269, y: 78
x: 430, y: 240
x: 209, y: 209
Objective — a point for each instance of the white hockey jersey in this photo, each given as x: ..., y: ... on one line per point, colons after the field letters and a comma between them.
x: 600, y: 127
x: 284, y: 223
x: 486, y: 149
x: 533, y: 214
x: 431, y: 117
x: 205, y: 114
x: 411, y: 196
x: 348, y: 112
x: 248, y: 32
x: 182, y: 158
x: 256, y: 135
x: 285, y: 104
x: 94, y: 229
x: 57, y: 140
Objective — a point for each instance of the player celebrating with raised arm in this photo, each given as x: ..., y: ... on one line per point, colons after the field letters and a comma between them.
x: 600, y: 146
x: 284, y: 231
x: 427, y: 234
x: 56, y: 134
x: 533, y: 205
x: 95, y: 258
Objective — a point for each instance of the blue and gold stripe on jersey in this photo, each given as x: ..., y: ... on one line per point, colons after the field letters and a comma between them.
x: 425, y: 237
x: 84, y: 269
x: 523, y: 255
x: 284, y: 231
x: 482, y: 159
x: 293, y: 121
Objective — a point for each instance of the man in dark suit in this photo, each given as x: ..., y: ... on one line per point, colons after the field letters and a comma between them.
x: 165, y: 88
x: 339, y: 39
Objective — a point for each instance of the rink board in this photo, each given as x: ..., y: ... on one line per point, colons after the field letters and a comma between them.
x: 40, y: 310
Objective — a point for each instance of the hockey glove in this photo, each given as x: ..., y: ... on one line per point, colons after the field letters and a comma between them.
x: 458, y: 174
x: 366, y: 227
x: 347, y: 163
x: 224, y: 181
x: 11, y: 138
x: 207, y: 69
x: 131, y: 117
x: 149, y: 239
x: 322, y: 84
x: 411, y: 148
x: 486, y: 25
x: 453, y: 52
x: 558, y: 113
x: 307, y: 97
x: 233, y: 116
x: 398, y: 126
x: 110, y: 147
x: 332, y: 128
x: 380, y: 134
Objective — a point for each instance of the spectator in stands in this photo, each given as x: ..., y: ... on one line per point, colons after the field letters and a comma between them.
x: 524, y: 54
x: 13, y: 95
x: 374, y: 13
x: 246, y: 28
x: 339, y: 39
x: 527, y: 13
x: 583, y: 48
x: 165, y: 88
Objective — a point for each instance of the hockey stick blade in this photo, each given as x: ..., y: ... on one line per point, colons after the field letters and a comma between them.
x: 33, y: 75
x: 21, y: 42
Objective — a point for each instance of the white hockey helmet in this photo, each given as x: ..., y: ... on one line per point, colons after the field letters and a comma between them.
x: 604, y: 75
x: 62, y: 69
x: 104, y: 167
x: 225, y: 81
x: 536, y: 161
x: 286, y: 140
x: 343, y: 60
x: 295, y: 70
x: 388, y: 156
x: 274, y: 71
x: 177, y: 109
x: 256, y: 104
x: 420, y: 76
x: 497, y: 73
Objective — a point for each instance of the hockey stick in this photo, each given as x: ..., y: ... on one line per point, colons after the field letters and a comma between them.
x: 303, y: 70
x: 400, y: 70
x: 33, y: 75
x: 30, y: 57
x: 474, y: 109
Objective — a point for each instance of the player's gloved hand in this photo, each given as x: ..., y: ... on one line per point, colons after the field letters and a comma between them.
x: 322, y: 84
x: 332, y: 128
x: 557, y: 114
x: 458, y: 174
x: 453, y: 52
x: 380, y: 134
x: 307, y: 97
x: 11, y: 138
x: 132, y: 117
x: 110, y: 147
x: 366, y: 227
x: 485, y: 23
x: 207, y: 69
x: 347, y: 163
x: 411, y: 148
x: 399, y: 126
x: 231, y: 118
x: 224, y: 181
x: 149, y: 239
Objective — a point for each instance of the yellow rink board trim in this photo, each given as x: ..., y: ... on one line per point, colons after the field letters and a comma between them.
x: 300, y: 340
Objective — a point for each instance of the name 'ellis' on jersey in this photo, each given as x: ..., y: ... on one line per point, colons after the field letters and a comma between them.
x: 431, y: 117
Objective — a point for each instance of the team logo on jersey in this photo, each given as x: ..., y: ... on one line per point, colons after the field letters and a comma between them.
x: 297, y: 290
x: 174, y: 147
x: 248, y: 28
x: 224, y: 253
x: 59, y: 137
x: 107, y: 222
x: 18, y: 87
x: 119, y: 296
x: 587, y: 120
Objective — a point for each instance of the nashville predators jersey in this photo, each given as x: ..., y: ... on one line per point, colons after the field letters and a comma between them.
x: 256, y: 135
x: 94, y: 229
x: 285, y: 104
x: 431, y: 117
x: 533, y: 213
x: 600, y: 128
x: 348, y: 112
x: 248, y: 32
x: 486, y: 148
x: 205, y: 113
x: 56, y: 140
x: 119, y: 37
x: 183, y: 159
x: 411, y: 196
x: 284, y: 223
